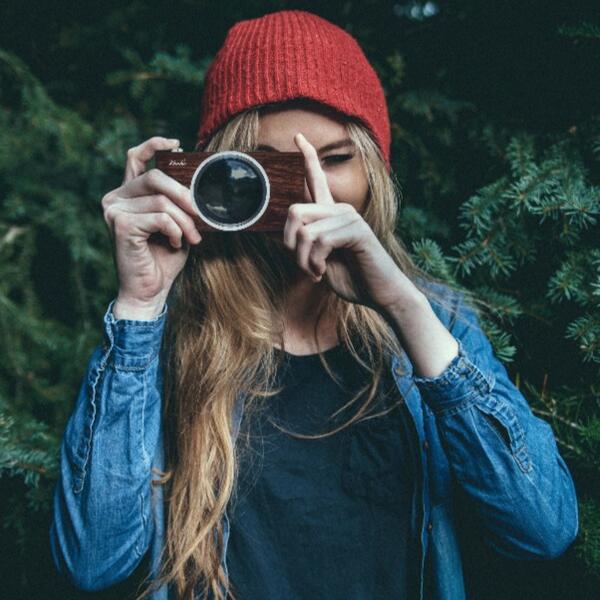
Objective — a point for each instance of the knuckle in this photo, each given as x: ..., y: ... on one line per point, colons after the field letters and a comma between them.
x: 107, y: 199
x: 162, y: 202
x: 164, y: 218
x: 110, y: 213
x: 304, y: 233
x: 120, y: 223
x: 321, y: 239
x: 294, y: 211
x: 314, y: 263
x: 191, y: 224
x: 154, y: 176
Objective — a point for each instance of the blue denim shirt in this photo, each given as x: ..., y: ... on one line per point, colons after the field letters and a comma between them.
x: 471, y: 427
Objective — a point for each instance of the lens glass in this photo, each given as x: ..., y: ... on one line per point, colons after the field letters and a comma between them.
x: 229, y: 190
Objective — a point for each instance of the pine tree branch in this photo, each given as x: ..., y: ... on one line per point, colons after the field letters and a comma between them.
x: 558, y: 417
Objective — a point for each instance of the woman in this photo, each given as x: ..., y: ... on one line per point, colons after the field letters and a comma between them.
x: 323, y: 402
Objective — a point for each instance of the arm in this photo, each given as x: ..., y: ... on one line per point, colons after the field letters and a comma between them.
x: 503, y: 457
x: 102, y: 526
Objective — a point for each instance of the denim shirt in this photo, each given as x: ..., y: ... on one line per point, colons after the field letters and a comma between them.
x: 471, y: 427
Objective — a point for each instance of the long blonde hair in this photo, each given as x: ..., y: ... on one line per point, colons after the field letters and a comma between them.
x: 225, y: 317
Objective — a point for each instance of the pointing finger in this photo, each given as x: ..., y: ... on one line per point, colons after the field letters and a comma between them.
x: 315, y: 176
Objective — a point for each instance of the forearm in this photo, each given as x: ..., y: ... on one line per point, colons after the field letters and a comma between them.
x: 509, y: 466
x: 503, y: 457
x: 428, y: 344
x: 102, y: 522
x: 98, y: 536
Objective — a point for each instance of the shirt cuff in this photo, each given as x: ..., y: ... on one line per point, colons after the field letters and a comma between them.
x: 461, y: 381
x: 133, y: 343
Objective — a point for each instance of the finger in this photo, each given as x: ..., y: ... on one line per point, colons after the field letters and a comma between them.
x: 152, y: 204
x: 132, y: 228
x: 138, y: 156
x: 315, y: 176
x: 157, y: 182
x: 318, y: 234
x: 345, y: 236
x: 302, y: 213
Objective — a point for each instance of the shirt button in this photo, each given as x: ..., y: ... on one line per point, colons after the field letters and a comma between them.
x: 426, y: 445
x: 429, y: 526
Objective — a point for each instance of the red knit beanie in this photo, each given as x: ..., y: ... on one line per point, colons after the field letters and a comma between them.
x: 293, y: 54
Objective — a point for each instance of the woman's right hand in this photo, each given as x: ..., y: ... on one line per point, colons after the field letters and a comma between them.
x: 147, y: 205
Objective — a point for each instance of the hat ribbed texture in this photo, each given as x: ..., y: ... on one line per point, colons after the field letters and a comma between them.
x: 293, y: 54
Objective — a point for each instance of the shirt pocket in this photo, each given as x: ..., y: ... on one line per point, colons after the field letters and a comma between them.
x: 503, y: 421
x: 376, y: 464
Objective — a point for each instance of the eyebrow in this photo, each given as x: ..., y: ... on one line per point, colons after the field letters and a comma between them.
x: 333, y: 146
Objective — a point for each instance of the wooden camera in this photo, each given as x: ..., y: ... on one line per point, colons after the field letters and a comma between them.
x: 234, y: 190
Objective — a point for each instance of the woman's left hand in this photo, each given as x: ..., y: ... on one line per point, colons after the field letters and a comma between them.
x: 332, y: 241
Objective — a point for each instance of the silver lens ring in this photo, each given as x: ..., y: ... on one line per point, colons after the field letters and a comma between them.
x: 256, y: 166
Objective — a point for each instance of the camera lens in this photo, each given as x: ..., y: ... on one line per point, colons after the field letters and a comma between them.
x: 231, y: 190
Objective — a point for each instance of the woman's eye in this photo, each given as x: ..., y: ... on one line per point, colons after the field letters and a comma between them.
x: 338, y: 158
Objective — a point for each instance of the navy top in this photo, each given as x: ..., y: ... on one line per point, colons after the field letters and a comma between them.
x: 327, y: 518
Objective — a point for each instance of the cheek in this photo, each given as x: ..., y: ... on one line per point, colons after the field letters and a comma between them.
x: 350, y: 188
x: 362, y: 195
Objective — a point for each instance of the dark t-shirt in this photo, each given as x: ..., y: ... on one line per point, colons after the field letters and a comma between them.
x: 329, y: 518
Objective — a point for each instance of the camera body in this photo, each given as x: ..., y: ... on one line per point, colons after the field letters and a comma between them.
x: 233, y: 191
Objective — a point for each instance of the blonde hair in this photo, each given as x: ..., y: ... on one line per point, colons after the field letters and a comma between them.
x: 224, y: 319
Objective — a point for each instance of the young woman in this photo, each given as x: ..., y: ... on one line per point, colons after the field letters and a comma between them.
x: 318, y: 405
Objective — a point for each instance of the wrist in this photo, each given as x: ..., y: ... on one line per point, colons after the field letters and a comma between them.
x: 131, y: 309
x: 405, y: 304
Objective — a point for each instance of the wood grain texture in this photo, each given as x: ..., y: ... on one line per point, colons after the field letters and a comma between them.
x: 285, y: 171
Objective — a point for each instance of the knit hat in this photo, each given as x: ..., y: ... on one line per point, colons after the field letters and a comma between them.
x: 293, y: 54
